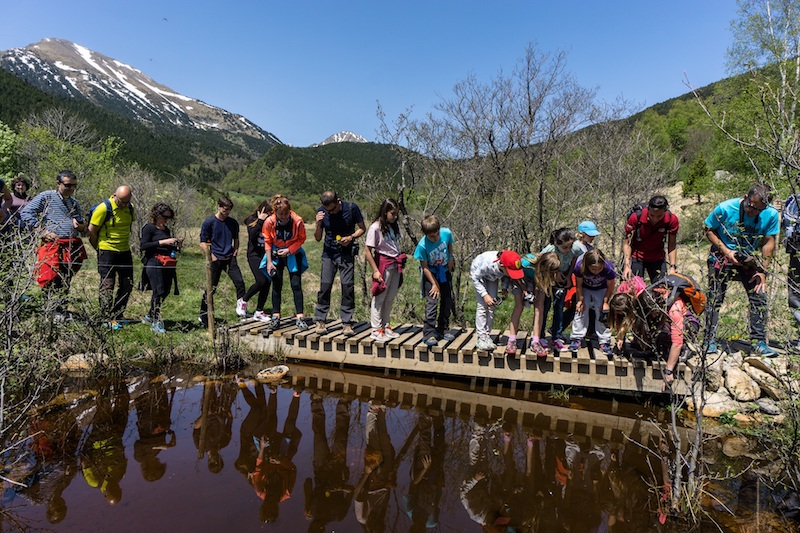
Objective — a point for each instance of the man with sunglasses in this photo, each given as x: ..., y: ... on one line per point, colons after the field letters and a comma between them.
x: 109, y: 234
x: 58, y: 217
x: 342, y: 223
x: 742, y: 233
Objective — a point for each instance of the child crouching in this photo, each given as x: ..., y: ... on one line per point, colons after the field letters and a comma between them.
x: 486, y: 271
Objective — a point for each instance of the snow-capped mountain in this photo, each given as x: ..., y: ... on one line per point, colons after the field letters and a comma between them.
x: 342, y: 137
x: 64, y: 68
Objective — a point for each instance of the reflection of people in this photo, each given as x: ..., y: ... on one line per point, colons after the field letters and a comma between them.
x: 55, y: 444
x: 427, y: 473
x: 477, y: 496
x: 249, y: 428
x: 153, y: 410
x: 103, y: 460
x: 328, y: 497
x: 212, y: 429
x: 379, y: 477
x: 275, y: 474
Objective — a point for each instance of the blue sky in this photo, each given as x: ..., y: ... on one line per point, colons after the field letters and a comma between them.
x: 306, y: 70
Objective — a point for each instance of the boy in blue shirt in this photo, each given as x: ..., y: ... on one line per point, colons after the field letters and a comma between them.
x: 435, y: 255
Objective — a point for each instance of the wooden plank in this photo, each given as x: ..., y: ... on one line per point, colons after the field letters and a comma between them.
x: 410, y: 342
x: 362, y: 331
x: 462, y: 339
x: 439, y: 348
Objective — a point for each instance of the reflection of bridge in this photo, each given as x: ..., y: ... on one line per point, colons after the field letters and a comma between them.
x: 458, y: 357
x: 544, y: 418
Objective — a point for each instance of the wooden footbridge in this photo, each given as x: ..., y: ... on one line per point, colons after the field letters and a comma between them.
x: 589, y: 368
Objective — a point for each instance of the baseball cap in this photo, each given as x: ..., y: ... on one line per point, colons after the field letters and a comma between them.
x: 513, y: 264
x: 587, y: 227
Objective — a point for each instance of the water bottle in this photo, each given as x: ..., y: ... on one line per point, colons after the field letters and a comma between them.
x: 173, y: 253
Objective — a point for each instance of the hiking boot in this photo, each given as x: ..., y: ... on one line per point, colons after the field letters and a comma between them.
x: 574, y: 345
x: 158, y: 327
x: 275, y: 322
x: 607, y: 349
x: 261, y: 316
x: 378, y: 335
x: 763, y: 349
x: 560, y: 346
x: 448, y: 336
x: 348, y: 331
x: 147, y: 320
x: 431, y: 341
x: 712, y: 347
x: 485, y: 344
x: 389, y: 332
x: 301, y: 324
x: 241, y: 308
x: 537, y: 349
x: 321, y: 328
x: 511, y: 346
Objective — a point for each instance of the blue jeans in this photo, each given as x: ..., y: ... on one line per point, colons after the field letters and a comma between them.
x: 557, y: 301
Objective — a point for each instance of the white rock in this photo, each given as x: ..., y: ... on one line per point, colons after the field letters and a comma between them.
x: 741, y: 386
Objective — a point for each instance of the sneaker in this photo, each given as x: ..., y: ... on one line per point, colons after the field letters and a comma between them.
x: 321, y: 328
x: 347, y: 330
x: 511, y: 346
x: 203, y: 320
x: 147, y: 320
x: 389, y: 332
x: 560, y: 346
x: 538, y: 349
x: 301, y: 324
x: 158, y: 327
x: 712, y: 347
x: 545, y: 344
x: 607, y: 349
x: 763, y: 349
x: 378, y: 335
x: 275, y: 322
x: 241, y: 308
x: 431, y: 341
x: 448, y: 336
x: 574, y: 345
x: 261, y: 316
x: 485, y: 344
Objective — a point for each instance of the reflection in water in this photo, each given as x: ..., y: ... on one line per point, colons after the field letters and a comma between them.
x: 373, y: 464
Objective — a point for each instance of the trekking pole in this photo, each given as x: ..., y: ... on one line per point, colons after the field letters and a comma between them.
x: 209, y: 295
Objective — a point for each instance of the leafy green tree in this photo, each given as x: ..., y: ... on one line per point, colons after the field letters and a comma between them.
x: 698, y: 179
x: 8, y: 152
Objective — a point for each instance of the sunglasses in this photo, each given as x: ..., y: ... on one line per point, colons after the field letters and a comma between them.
x: 68, y: 185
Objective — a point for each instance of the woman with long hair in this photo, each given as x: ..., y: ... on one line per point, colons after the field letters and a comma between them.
x: 386, y: 260
x: 254, y: 222
x: 160, y: 249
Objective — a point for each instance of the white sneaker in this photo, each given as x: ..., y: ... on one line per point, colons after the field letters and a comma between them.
x: 241, y: 308
x: 389, y: 332
x: 485, y: 344
x: 378, y: 335
x: 261, y: 316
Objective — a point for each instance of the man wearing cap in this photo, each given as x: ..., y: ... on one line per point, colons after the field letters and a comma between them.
x: 587, y: 231
x: 645, y: 233
x: 486, y: 271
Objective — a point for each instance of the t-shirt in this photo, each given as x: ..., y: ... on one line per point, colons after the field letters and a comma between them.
x: 388, y: 245
x: 436, y: 254
x: 255, y: 239
x: 565, y: 259
x: 725, y: 220
x: 148, y: 243
x: 220, y: 233
x: 341, y: 224
x: 113, y: 234
x: 647, y: 243
x: 595, y: 281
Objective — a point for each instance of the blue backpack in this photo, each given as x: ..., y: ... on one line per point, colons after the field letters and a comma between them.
x: 109, y: 211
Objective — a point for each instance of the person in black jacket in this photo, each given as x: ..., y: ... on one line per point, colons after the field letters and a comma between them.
x: 160, y: 249
x: 255, y: 254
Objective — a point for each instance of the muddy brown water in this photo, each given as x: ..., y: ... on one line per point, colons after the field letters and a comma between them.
x: 327, y: 450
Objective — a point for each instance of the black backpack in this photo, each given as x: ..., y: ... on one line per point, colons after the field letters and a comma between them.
x: 637, y: 209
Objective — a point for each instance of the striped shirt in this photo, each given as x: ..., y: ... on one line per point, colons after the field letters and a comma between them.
x: 52, y: 212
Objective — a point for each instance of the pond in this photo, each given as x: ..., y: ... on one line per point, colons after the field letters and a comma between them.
x: 327, y: 450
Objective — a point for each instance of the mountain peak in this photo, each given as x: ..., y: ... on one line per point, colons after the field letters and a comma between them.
x: 342, y: 137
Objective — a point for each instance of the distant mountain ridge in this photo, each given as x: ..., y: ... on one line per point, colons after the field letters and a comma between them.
x: 341, y: 137
x: 63, y: 68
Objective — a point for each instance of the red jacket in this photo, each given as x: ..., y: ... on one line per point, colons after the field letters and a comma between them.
x: 293, y: 244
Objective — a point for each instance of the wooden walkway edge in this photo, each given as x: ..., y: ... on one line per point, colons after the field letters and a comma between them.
x: 458, y: 358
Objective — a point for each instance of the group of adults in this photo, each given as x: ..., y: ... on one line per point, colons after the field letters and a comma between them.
x: 742, y: 232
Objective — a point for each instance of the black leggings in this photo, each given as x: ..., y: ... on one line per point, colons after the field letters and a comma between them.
x: 277, y: 288
x: 260, y: 286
